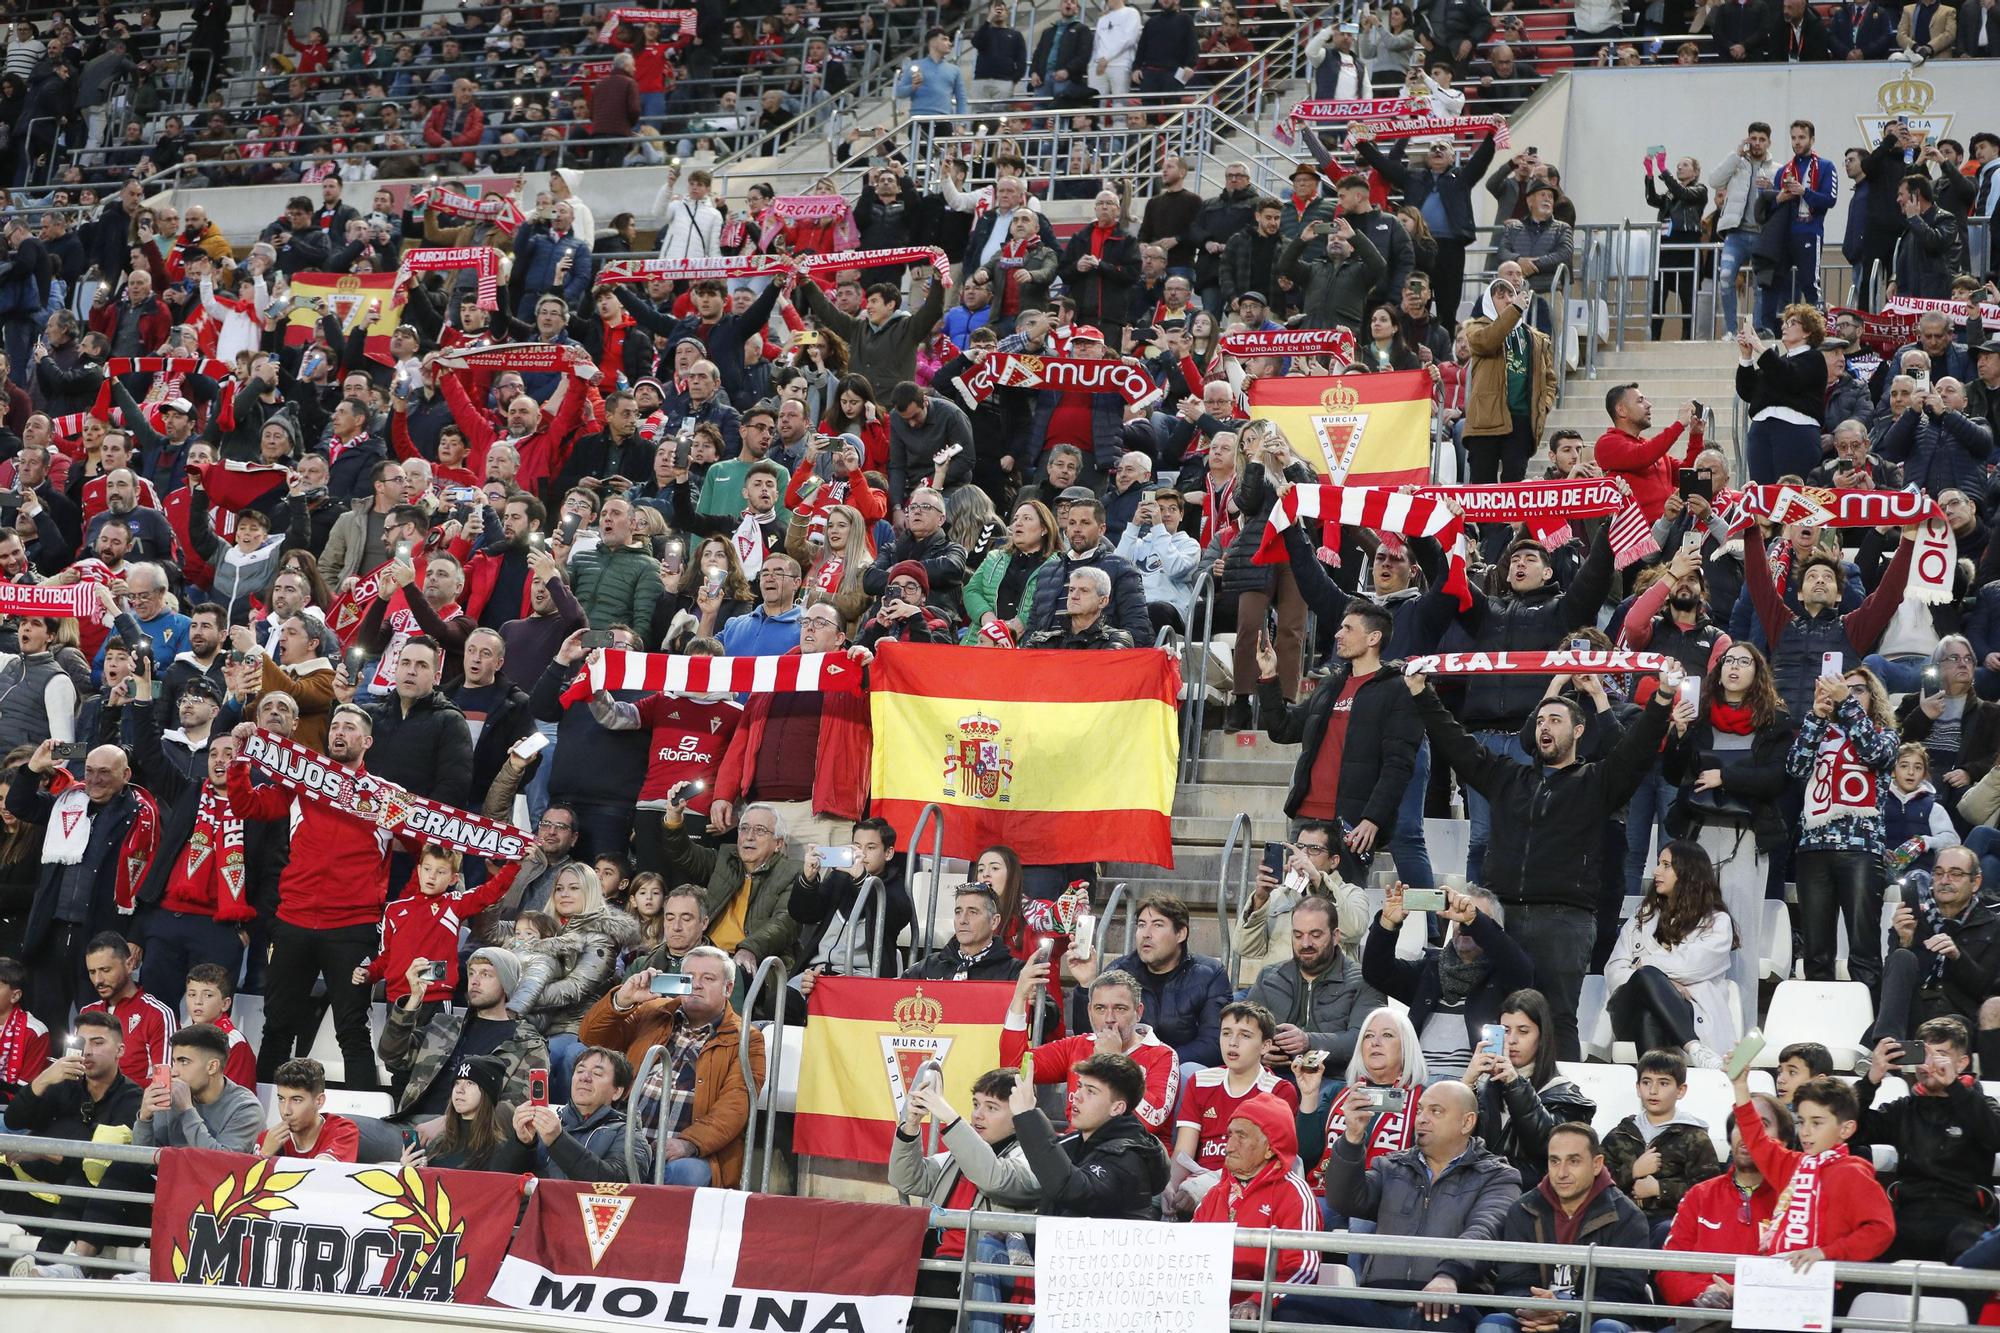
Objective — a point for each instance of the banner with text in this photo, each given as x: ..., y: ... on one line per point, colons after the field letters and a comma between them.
x: 1100, y: 1275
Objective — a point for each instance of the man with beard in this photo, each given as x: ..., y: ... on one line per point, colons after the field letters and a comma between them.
x: 330, y: 902
x: 1650, y: 466
x: 1555, y: 807
x: 291, y: 595
x: 497, y: 579
x: 152, y: 536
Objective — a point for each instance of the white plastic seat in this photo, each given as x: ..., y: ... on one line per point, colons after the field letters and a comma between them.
x: 1414, y: 937
x: 1832, y: 1013
x: 1336, y: 1275
x: 1895, y: 1305
x: 1777, y: 960
x: 1713, y: 1101
x: 343, y: 1101
x: 1614, y: 1088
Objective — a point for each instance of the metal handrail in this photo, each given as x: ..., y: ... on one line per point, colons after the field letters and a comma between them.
x: 1194, y: 708
x: 1120, y: 894
x: 871, y: 885
x: 652, y: 1057
x: 1231, y: 847
x: 1559, y: 323
x: 774, y: 1046
x: 931, y: 813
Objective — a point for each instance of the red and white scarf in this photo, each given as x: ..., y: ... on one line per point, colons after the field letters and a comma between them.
x: 826, y: 578
x: 692, y: 270
x: 1933, y: 563
x: 14, y: 1047
x: 78, y: 600
x: 527, y: 358
x: 350, y: 606
x: 682, y: 21
x: 372, y: 800
x: 808, y: 207
x: 673, y: 673
x: 218, y: 834
x: 1841, y: 786
x: 890, y: 258
x: 173, y: 366
x: 1289, y: 342
x: 1423, y: 127
x: 498, y: 209
x: 1010, y: 370
x: 1323, y: 110
x: 1794, y: 1223
x: 1557, y: 661
x: 1218, y: 527
x: 448, y: 258
x: 68, y: 835
x: 1391, y: 1132
x: 1375, y: 507
x: 1547, y: 507
x: 402, y: 624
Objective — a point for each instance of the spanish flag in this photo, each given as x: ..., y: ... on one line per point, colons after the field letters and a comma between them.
x: 1363, y: 430
x: 1064, y: 756
x: 866, y: 1041
x: 348, y: 297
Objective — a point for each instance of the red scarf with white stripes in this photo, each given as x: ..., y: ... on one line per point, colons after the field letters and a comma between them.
x: 176, y: 367
x: 14, y: 1046
x: 665, y: 673
x: 483, y: 259
x: 1547, y: 507
x: 1795, y: 1223
x: 215, y: 851
x: 78, y: 600
x: 1373, y: 507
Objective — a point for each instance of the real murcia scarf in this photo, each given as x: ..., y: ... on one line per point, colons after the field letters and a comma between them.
x: 68, y: 835
x: 1559, y: 661
x: 693, y: 270
x: 498, y: 209
x: 890, y: 258
x: 1932, y: 565
x: 1794, y: 1223
x: 40, y: 599
x: 1841, y: 785
x: 527, y: 358
x: 672, y: 673
x: 1010, y: 370
x: 215, y: 847
x: 1547, y: 507
x: 1289, y: 342
x: 483, y: 259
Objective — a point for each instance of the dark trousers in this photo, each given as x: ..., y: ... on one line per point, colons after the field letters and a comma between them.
x: 178, y: 941
x: 1448, y: 280
x: 1772, y: 449
x: 1558, y: 941
x: 1906, y: 1004
x: 80, y: 1216
x: 1677, y: 275
x: 1648, y: 1012
x: 298, y: 957
x: 1850, y: 884
x: 1348, y: 1311
x: 57, y: 982
x: 1935, y: 1224
x: 1500, y: 458
x: 601, y: 829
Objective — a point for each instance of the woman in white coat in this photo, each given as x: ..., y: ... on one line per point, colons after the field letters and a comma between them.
x: 1668, y: 975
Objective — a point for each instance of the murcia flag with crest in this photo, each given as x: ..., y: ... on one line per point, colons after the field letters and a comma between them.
x: 1360, y: 430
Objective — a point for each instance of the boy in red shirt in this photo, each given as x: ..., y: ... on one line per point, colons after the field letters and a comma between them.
x: 1210, y: 1101
x: 425, y: 924
x: 302, y: 1130
x: 210, y: 992
x: 1830, y: 1205
x: 1115, y: 1011
x: 24, y: 1042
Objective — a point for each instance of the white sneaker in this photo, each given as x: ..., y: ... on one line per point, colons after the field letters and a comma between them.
x: 25, y: 1266
x: 1701, y: 1057
x: 131, y: 1277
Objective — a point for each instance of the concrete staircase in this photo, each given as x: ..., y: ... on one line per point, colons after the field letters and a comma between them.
x: 1669, y: 374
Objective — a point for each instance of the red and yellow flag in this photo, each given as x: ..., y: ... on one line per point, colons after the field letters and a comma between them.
x: 349, y: 298
x: 1371, y: 430
x: 866, y: 1041
x: 1064, y: 756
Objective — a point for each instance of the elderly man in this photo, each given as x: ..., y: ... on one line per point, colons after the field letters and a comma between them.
x: 1851, y: 446
x: 927, y: 541
x: 749, y: 883
x: 146, y: 598
x: 701, y: 1134
x: 1100, y: 265
x: 1446, y: 1187
x: 585, y: 1139
x: 1087, y: 597
x: 1942, y: 354
x: 1086, y: 547
x: 1940, y: 447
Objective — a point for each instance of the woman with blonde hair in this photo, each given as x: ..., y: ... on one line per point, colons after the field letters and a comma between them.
x: 584, y: 962
x: 1005, y: 581
x: 834, y: 556
x: 1261, y: 451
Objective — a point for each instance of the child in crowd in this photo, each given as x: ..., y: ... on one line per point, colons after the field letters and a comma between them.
x: 1830, y: 1206
x: 1915, y: 824
x: 303, y: 1128
x: 1201, y: 1133
x: 1799, y: 1063
x: 1657, y: 1155
x: 647, y: 902
x: 210, y: 994
x: 614, y: 874
x: 426, y: 923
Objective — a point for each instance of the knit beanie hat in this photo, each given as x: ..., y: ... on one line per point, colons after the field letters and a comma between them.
x: 504, y: 964
x: 911, y: 569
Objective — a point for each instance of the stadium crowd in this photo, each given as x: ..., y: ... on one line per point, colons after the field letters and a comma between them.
x: 230, y: 506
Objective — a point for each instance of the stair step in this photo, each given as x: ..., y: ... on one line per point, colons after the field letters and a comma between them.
x: 1245, y: 745
x: 1717, y: 356
x: 1249, y: 772
x: 1214, y: 801
x: 1213, y: 830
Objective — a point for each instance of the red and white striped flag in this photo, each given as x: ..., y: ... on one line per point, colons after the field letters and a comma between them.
x: 672, y: 673
x: 444, y: 258
x: 1631, y: 536
x: 1374, y: 507
x: 78, y: 600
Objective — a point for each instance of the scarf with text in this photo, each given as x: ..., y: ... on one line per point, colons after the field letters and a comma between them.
x: 215, y: 854
x: 373, y: 800
x: 1933, y: 563
x: 14, y: 1047
x: 1557, y: 661
x: 890, y: 258
x: 1895, y: 324
x: 1218, y: 528
x: 68, y: 835
x: 175, y: 367
x: 77, y: 600
x: 446, y: 258
x: 1013, y: 370
x: 808, y: 207
x: 681, y: 21
x: 673, y: 673
x: 1319, y: 111
x: 693, y: 270
x: 1289, y: 342
x: 1841, y: 785
x: 1547, y: 507
x: 527, y: 358
x: 1373, y: 507
x: 350, y: 605
x: 498, y: 209
x: 1794, y: 1223
x: 1424, y: 127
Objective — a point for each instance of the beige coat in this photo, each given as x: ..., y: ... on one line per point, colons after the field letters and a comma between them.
x: 1486, y: 388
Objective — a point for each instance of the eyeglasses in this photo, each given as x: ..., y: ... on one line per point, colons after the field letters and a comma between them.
x: 1953, y: 876
x: 1734, y: 660
x: 1315, y: 849
x: 757, y: 830
x: 557, y: 827
x: 926, y: 506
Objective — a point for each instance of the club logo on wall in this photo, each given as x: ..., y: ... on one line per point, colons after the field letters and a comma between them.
x: 1907, y: 99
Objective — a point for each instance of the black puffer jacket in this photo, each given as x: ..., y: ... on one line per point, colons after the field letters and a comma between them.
x: 1128, y: 592
x: 1755, y: 777
x: 1515, y: 1120
x: 1379, y: 756
x: 428, y: 750
x: 1254, y: 498
x: 1118, y: 1171
x: 1532, y: 623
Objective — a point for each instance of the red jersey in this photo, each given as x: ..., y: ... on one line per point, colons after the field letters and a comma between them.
x: 688, y: 741
x: 1275, y: 1198
x: 1208, y: 1105
x: 148, y: 1025
x: 420, y: 925
x: 338, y: 874
x: 241, y: 1067
x: 339, y: 1141
x: 1712, y: 1220
x: 1056, y: 1060
x: 24, y: 1047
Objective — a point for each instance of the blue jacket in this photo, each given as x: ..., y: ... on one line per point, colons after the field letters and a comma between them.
x: 1183, y: 1007
x: 1940, y: 451
x: 1822, y: 188
x: 543, y: 252
x: 761, y: 634
x: 943, y: 91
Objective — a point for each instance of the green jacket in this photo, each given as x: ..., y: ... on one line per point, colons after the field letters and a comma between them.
x: 1687, y: 1157
x: 982, y: 590
x: 424, y: 1053
x: 768, y: 928
x: 616, y: 587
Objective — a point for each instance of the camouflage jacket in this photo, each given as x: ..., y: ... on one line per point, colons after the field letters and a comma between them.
x: 425, y: 1052
x: 1687, y: 1157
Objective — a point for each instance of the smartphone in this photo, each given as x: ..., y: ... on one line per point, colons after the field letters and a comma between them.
x: 838, y: 858
x: 437, y: 970
x: 144, y: 690
x: 529, y: 745
x: 673, y: 983
x: 711, y: 582
x: 1385, y: 1100
x: 1043, y: 951
x: 684, y: 792
x: 1691, y: 540
x: 410, y: 1138
x: 1028, y: 1065
x: 1691, y: 482
x: 235, y: 657
x: 1423, y: 900
x: 355, y: 657
x: 403, y: 552
x: 1275, y: 855
x: 163, y: 1077
x: 538, y: 1087
x: 566, y: 534
x: 1689, y: 692
x: 1831, y: 664
x: 64, y: 751
x: 596, y: 638
x: 1746, y: 1050
x: 1580, y: 645
x: 1930, y: 680
x: 1493, y: 1037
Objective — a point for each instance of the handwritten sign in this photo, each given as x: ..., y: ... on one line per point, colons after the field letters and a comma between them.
x: 1094, y: 1275
x: 1771, y: 1295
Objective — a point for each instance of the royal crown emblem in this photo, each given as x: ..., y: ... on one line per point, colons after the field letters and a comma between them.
x: 1340, y: 398
x: 1908, y: 99
x: 981, y: 758
x: 918, y: 1013
x: 1907, y: 96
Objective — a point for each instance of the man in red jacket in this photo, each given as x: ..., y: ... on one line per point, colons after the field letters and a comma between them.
x: 1725, y: 1214
x: 1258, y: 1189
x: 819, y: 795
x: 329, y: 903
x: 1648, y: 464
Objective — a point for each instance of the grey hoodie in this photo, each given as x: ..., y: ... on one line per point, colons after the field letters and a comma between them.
x: 230, y: 1123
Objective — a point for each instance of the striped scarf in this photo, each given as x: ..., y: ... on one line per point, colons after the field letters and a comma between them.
x: 665, y: 673
x: 1374, y: 507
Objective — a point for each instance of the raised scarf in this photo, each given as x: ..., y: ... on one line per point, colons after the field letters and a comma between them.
x: 1841, y: 786
x: 1010, y: 370
x: 1794, y: 1223
x: 1375, y: 507
x: 692, y: 270
x: 1932, y: 565
x: 682, y: 21
x: 484, y: 259
x: 1423, y: 127
x: 215, y: 854
x: 673, y: 673
x: 176, y: 366
x: 78, y: 600
x: 1547, y: 507
x: 498, y: 209
x: 890, y: 258
x: 826, y: 578
x: 527, y: 358
x: 351, y: 606
x: 808, y: 207
x: 1559, y: 661
x: 1289, y: 342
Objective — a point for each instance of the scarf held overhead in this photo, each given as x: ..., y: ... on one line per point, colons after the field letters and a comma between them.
x: 808, y: 207
x: 446, y: 258
x: 1559, y: 661
x: 1933, y: 563
x: 1423, y: 127
x: 693, y: 270
x: 1290, y: 342
x: 498, y: 209
x: 1547, y: 507
x: 1010, y: 370
x: 904, y: 254
x: 167, y: 365
x: 1371, y: 507
x: 673, y: 673
x: 528, y: 358
x: 376, y: 801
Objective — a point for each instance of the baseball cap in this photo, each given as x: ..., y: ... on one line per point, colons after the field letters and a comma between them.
x: 177, y: 405
x: 1086, y: 333
x: 1990, y: 345
x: 1258, y: 297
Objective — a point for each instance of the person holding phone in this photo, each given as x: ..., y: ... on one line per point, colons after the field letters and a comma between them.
x: 825, y: 894
x: 1844, y: 750
x: 1784, y: 386
x: 1650, y: 465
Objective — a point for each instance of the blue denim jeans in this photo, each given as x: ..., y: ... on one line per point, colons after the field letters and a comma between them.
x: 1900, y: 675
x: 1648, y: 810
x: 693, y: 1171
x: 1506, y: 1323
x: 1413, y: 858
x: 1477, y: 812
x: 1985, y: 844
x: 991, y: 1249
x: 1735, y: 254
